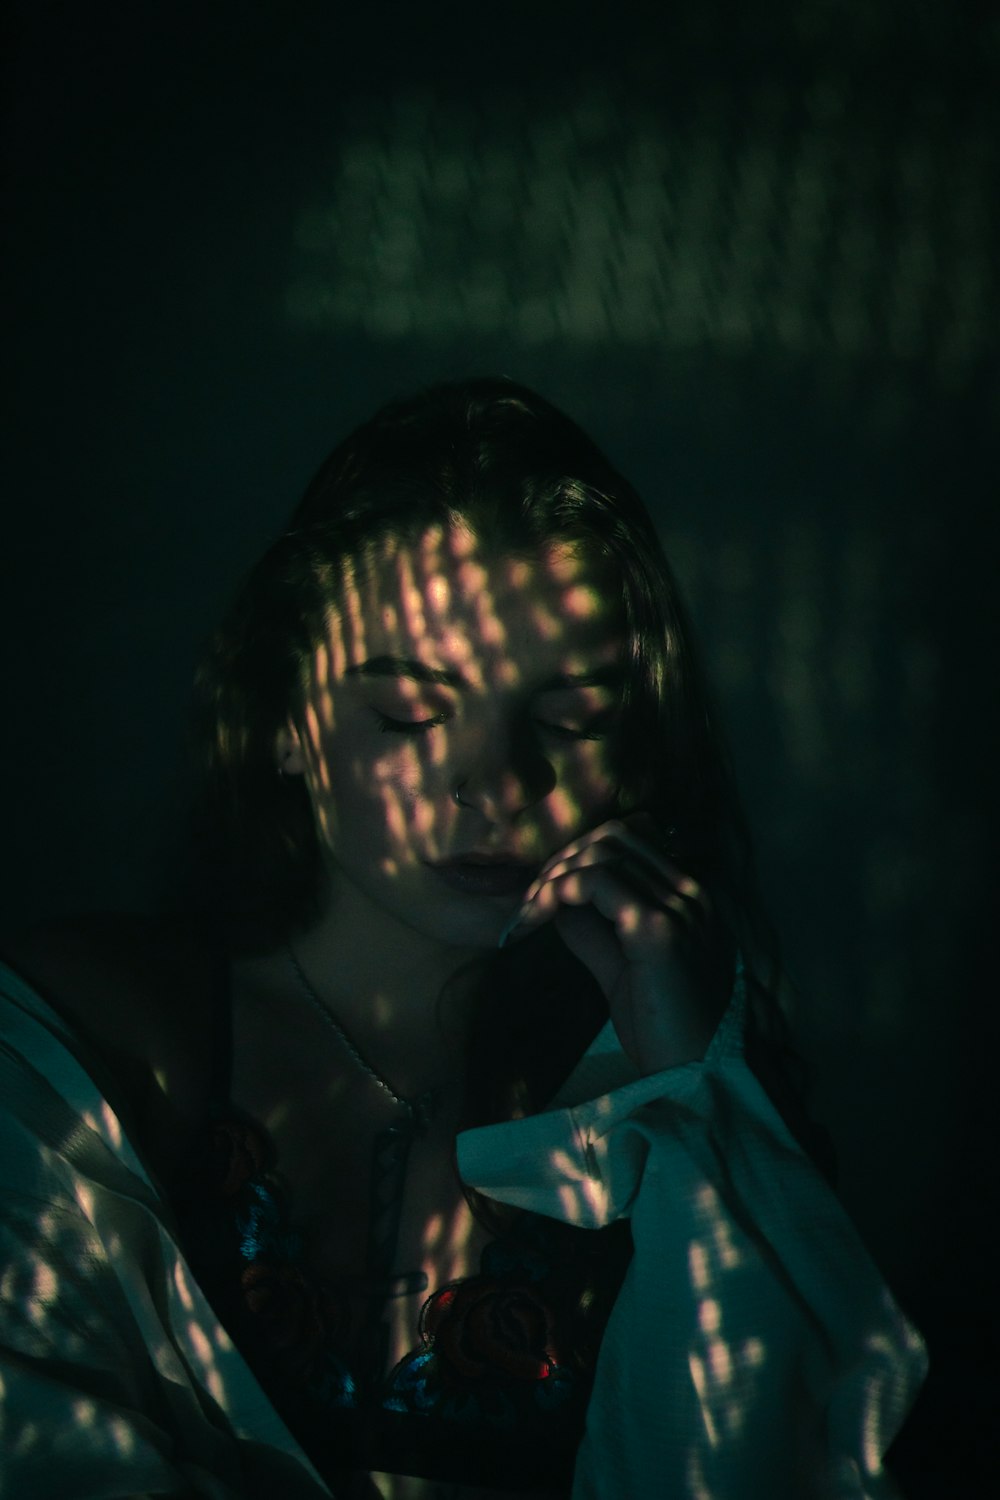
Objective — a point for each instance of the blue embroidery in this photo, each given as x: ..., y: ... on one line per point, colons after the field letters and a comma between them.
x: 261, y: 1228
x: 497, y: 1350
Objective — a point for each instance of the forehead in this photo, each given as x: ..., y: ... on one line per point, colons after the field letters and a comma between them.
x: 495, y: 617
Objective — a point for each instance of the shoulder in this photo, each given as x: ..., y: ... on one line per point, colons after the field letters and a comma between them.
x: 140, y: 993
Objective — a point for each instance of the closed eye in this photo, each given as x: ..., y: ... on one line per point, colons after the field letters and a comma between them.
x: 406, y: 726
x: 597, y: 729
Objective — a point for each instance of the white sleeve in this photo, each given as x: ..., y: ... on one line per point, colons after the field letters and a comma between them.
x: 116, y: 1379
x: 754, y: 1352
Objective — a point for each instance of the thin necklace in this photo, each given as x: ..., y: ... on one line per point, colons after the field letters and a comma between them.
x: 420, y: 1111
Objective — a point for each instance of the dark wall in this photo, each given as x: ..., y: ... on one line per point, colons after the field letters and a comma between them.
x: 753, y: 249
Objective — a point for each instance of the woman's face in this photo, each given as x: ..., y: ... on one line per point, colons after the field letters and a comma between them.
x: 460, y: 726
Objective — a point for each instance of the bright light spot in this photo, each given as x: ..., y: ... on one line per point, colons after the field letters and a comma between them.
x: 413, y: 611
x: 84, y: 1412
x: 221, y: 1339
x: 720, y: 1361
x: 111, y: 1124
x: 753, y: 1353
x: 628, y: 921
x: 85, y: 1198
x: 709, y: 1315
x: 199, y: 1340
x: 122, y: 1435
x: 183, y: 1290
x: 581, y: 603
x: 700, y: 1383
x: 570, y: 1203
x: 438, y: 594
x: 338, y: 651
x: 491, y: 631
x: 46, y: 1282
x: 423, y: 818
x: 549, y: 627
x: 562, y: 810
x: 698, y: 1266
x: 461, y: 1228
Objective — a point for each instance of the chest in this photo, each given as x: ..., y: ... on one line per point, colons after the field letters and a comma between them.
x: 386, y: 1321
x: 375, y: 1203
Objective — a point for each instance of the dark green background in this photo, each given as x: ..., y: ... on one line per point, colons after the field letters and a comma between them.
x: 234, y: 230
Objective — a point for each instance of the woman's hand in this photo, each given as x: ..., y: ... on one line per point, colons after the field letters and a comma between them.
x: 648, y: 933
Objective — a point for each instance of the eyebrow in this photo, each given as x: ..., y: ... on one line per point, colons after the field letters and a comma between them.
x: 609, y: 675
x: 404, y: 666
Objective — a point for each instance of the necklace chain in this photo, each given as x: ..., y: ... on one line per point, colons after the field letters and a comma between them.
x: 419, y: 1110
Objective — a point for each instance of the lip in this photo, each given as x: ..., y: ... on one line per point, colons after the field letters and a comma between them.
x: 479, y: 874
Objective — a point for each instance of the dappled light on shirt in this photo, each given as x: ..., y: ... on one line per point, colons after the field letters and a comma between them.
x: 106, y: 1124
x: 582, y: 1193
x: 724, y: 1374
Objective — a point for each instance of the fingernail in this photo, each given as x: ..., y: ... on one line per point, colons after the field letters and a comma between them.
x: 515, y: 919
x: 512, y: 925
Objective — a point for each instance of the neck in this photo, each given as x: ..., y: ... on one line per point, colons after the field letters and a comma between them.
x: 397, y: 993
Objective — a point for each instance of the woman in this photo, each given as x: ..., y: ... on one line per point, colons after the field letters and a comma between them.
x: 469, y: 869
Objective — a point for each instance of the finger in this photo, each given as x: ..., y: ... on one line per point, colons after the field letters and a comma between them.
x: 661, y: 879
x: 652, y: 916
x: 611, y: 840
x: 643, y: 879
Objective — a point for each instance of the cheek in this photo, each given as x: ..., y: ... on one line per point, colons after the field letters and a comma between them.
x: 587, y: 777
x: 388, y: 800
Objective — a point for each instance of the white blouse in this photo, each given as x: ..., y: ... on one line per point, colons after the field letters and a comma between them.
x: 753, y: 1350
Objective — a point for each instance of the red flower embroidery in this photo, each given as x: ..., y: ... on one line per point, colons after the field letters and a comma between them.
x: 482, y: 1326
x: 292, y: 1315
x: 240, y: 1153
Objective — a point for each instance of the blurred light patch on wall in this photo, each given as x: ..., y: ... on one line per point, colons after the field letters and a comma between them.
x: 808, y: 218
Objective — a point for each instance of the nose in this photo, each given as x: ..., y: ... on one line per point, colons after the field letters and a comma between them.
x: 505, y: 775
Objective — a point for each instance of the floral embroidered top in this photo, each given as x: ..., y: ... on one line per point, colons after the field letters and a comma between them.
x: 753, y: 1341
x: 494, y: 1393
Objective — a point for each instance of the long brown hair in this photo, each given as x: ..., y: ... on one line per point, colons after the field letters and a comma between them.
x: 521, y: 474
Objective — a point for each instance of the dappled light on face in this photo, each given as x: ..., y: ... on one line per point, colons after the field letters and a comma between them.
x: 457, y: 707
x: 473, y: 581
x: 321, y: 667
x: 563, y: 811
x: 438, y: 596
x: 412, y: 617
x: 582, y: 603
x: 323, y: 718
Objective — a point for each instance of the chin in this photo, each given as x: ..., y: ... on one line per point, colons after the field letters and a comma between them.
x: 474, y: 924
